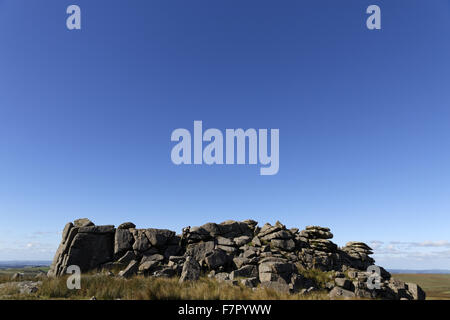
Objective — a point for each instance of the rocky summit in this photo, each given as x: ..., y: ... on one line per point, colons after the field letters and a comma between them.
x: 271, y: 256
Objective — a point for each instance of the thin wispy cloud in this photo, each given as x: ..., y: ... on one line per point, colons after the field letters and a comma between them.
x: 425, y: 251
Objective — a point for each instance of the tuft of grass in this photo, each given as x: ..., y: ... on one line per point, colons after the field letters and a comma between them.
x: 319, y: 277
x: 8, y: 289
x: 6, y: 278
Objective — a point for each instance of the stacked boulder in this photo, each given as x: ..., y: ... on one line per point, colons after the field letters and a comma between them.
x: 318, y: 252
x: 235, y: 252
x: 357, y: 255
x: 91, y: 247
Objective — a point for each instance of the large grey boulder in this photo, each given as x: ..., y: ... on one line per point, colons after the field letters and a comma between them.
x: 148, y: 266
x: 57, y: 265
x: 222, y: 241
x: 200, y: 250
x: 123, y: 241
x: 191, y: 270
x: 283, y: 244
x: 416, y: 292
x: 276, y: 267
x: 85, y: 245
x: 127, y: 225
x: 141, y: 243
x: 272, y: 270
x: 281, y: 234
x: 159, y: 237
x: 216, y: 259
x: 90, y: 247
x: 130, y: 270
x: 343, y: 283
x: 316, y: 232
x: 240, y: 241
x: 340, y: 293
x: 226, y: 229
x: 268, y: 229
x: 241, y: 261
x: 248, y: 271
x: 173, y: 250
x: 83, y: 222
x: 153, y: 257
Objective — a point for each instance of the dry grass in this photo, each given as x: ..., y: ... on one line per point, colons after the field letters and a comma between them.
x: 7, y: 278
x: 9, y: 289
x: 105, y: 287
x: 148, y: 288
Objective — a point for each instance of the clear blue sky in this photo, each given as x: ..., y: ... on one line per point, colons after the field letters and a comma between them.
x: 364, y: 118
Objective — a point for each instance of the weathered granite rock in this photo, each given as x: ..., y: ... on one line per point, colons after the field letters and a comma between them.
x: 126, y: 225
x: 141, y: 243
x: 217, y: 258
x: 153, y: 257
x: 123, y: 241
x: 127, y: 257
x: 316, y: 232
x: 343, y: 283
x: 272, y: 256
x: 159, y: 237
x: 416, y: 291
x: 200, y: 250
x: 130, y: 270
x: 90, y: 248
x: 248, y: 271
x: 191, y: 270
x: 148, y: 266
x: 83, y: 222
x: 283, y: 244
x: 340, y: 293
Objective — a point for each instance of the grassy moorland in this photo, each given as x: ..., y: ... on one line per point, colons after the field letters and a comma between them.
x: 436, y: 286
x: 102, y: 286
x: 147, y: 288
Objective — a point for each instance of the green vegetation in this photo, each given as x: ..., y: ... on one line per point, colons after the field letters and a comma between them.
x: 319, y: 277
x: 436, y: 286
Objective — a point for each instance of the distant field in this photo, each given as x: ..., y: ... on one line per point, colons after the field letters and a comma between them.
x: 29, y: 272
x: 436, y: 286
